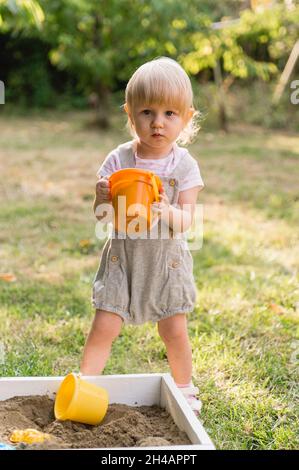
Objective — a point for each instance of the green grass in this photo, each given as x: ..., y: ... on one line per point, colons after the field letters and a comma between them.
x: 244, y: 329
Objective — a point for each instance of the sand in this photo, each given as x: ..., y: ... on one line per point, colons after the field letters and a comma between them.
x: 123, y: 426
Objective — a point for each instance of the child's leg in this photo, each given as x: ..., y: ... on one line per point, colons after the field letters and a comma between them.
x: 105, y: 329
x: 174, y: 333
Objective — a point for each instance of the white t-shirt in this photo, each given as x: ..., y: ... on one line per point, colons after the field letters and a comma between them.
x: 163, y: 166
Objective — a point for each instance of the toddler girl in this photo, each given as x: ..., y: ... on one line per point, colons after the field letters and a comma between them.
x: 151, y: 279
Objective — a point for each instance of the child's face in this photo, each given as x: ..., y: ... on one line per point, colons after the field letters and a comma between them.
x: 158, y: 126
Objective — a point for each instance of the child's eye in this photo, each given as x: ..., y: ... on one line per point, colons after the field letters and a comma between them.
x: 169, y: 113
x: 146, y: 111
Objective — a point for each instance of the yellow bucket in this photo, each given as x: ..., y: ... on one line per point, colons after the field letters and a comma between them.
x: 78, y: 400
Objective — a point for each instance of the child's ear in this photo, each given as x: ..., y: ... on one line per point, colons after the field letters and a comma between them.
x: 126, y: 108
x: 190, y: 113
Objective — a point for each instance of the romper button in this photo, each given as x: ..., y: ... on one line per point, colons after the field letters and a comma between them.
x: 175, y: 264
x: 172, y: 182
x: 114, y: 258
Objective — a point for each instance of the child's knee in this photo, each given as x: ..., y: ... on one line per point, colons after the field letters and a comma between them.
x: 172, y: 331
x: 107, y: 324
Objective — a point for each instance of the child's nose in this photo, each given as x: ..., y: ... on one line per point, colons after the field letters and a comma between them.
x: 157, y: 121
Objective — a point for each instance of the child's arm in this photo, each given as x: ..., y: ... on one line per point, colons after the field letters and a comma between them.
x: 102, y: 203
x: 179, y: 218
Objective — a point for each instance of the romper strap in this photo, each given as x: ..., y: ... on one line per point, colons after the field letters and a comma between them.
x: 183, y: 167
x: 126, y: 154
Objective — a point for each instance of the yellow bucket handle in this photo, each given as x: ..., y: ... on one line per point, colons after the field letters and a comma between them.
x: 155, y: 187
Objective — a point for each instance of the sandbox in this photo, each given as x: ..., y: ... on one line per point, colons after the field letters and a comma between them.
x: 136, y: 398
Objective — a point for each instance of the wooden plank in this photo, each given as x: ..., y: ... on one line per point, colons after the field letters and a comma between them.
x: 133, y: 390
x: 18, y: 386
x: 182, y: 414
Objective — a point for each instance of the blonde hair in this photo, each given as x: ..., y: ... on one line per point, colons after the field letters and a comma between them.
x: 163, y: 81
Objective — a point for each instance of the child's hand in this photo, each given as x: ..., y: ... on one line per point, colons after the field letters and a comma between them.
x: 103, y: 189
x: 164, y: 202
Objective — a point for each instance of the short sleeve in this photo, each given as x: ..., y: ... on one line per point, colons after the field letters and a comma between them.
x: 110, y: 164
x: 192, y: 178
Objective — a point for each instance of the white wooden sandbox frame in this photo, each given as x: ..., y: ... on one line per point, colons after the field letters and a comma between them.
x: 133, y: 390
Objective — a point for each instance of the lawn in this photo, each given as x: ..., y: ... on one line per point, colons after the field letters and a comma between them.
x: 244, y: 329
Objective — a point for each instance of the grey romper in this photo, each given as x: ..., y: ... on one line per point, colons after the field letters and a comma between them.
x: 146, y: 279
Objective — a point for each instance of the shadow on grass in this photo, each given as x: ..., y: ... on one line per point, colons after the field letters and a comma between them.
x: 46, y: 300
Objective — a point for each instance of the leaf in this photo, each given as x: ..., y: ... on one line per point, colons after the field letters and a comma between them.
x: 278, y: 309
x: 7, y: 277
x: 84, y: 243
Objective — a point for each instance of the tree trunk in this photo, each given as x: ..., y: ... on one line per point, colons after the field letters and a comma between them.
x: 223, y: 122
x: 101, y: 106
x: 100, y: 98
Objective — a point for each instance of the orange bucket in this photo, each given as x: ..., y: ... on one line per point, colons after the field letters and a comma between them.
x: 139, y: 188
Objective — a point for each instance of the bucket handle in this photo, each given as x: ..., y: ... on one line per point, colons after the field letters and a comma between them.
x: 155, y: 187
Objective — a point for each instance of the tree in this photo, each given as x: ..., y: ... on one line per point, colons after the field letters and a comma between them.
x: 103, y: 42
x: 20, y: 15
x: 235, y: 47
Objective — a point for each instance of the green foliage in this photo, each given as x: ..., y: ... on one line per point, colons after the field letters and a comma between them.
x: 20, y: 15
x: 270, y: 34
x: 30, y: 81
x: 98, y: 44
x: 105, y: 45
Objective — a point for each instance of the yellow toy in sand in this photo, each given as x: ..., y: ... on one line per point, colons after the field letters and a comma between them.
x: 29, y: 436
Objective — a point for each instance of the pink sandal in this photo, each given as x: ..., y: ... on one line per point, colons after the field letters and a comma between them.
x: 190, y: 394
